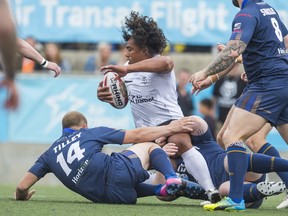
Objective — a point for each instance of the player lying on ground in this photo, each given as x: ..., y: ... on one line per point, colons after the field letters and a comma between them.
x: 216, y: 159
x: 77, y: 161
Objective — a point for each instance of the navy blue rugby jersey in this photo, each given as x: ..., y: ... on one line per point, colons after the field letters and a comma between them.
x: 259, y: 26
x: 77, y: 161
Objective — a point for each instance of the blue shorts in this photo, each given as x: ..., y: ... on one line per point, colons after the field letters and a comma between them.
x: 270, y: 104
x: 125, y: 173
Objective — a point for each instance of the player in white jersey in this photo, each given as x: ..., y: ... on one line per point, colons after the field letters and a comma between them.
x: 151, y: 86
x: 154, y: 93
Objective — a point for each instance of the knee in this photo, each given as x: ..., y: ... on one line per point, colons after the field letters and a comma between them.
x: 230, y: 137
x: 182, y: 140
x: 219, y: 138
x: 152, y: 146
x: 224, y: 189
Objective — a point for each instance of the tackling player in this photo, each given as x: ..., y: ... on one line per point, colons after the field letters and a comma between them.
x: 77, y: 161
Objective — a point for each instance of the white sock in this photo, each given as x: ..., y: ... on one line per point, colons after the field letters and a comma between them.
x: 197, y: 167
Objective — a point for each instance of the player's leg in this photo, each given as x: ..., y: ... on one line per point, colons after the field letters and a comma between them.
x: 224, y: 127
x: 151, y: 154
x: 257, y: 140
x: 254, y: 192
x: 283, y: 130
x: 258, y: 144
x: 238, y: 130
x: 194, y: 161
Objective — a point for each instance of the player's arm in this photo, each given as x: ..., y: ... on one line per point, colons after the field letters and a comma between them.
x: 7, y: 40
x: 26, y: 50
x: 157, y: 64
x: 226, y: 59
x: 23, y: 188
x: 146, y: 134
x: 8, y: 55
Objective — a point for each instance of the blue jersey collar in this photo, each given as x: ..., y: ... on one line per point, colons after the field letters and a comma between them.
x: 68, y: 130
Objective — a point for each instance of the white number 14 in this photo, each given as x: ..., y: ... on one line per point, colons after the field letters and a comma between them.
x: 74, y: 152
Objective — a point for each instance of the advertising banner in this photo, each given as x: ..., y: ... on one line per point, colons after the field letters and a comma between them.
x: 201, y: 22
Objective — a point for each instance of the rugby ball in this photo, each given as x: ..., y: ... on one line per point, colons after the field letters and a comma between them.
x: 117, y: 88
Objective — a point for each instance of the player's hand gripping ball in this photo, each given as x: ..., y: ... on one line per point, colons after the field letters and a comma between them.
x: 117, y: 88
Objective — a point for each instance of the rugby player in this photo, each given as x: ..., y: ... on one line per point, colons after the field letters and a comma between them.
x: 262, y: 39
x: 151, y: 85
x: 77, y: 161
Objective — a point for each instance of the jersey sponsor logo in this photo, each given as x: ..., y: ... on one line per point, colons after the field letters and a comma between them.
x: 237, y: 26
x: 144, y: 80
x: 181, y: 168
x: 80, y: 172
x: 267, y: 11
x: 282, y: 51
x: 139, y: 99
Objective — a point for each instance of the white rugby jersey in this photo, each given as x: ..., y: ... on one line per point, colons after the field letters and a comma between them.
x: 153, y: 97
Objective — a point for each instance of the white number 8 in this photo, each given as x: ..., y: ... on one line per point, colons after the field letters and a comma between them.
x: 277, y: 29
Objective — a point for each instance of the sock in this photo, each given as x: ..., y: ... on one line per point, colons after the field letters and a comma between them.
x: 250, y: 193
x: 160, y: 161
x: 237, y: 163
x: 270, y: 150
x: 197, y: 167
x: 263, y: 164
x: 144, y: 190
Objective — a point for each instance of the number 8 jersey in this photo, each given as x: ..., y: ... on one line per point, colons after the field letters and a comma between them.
x: 258, y: 25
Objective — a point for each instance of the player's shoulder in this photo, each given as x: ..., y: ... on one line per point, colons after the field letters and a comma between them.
x: 252, y: 9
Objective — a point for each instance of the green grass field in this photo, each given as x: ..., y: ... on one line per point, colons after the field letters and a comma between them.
x: 57, y: 200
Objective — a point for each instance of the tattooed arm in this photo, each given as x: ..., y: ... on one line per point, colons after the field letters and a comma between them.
x: 224, y: 61
x: 226, y: 58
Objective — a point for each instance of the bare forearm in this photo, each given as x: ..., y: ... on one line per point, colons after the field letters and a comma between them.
x: 215, y: 77
x: 158, y: 64
x: 26, y: 50
x: 7, y: 41
x: 22, y: 190
x: 152, y: 133
x: 226, y: 58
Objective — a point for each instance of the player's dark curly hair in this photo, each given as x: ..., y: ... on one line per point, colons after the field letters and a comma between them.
x: 145, y: 32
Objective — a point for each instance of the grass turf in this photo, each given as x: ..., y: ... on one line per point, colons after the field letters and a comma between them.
x: 57, y: 200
